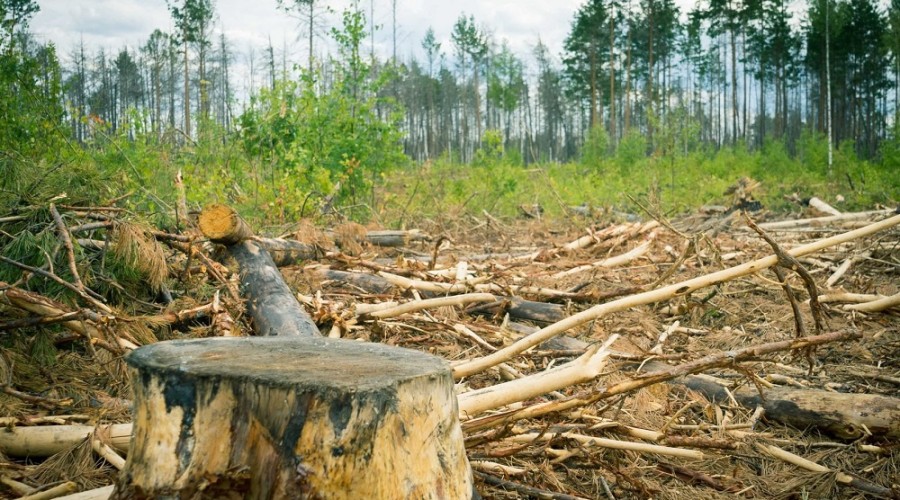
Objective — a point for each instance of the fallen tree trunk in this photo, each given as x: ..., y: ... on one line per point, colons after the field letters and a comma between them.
x: 395, y: 238
x: 846, y: 416
x: 289, y: 252
x: 271, y: 303
x: 539, y: 312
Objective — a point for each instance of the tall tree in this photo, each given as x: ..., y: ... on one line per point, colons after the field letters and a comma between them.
x: 471, y: 49
x: 892, y: 40
x: 155, y: 51
x: 192, y: 20
x: 867, y: 58
x: 128, y: 85
x: 308, y: 15
x: 585, y: 49
x: 550, y: 102
x: 506, y: 84
x: 14, y: 18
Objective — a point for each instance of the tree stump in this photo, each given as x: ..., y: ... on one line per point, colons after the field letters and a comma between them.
x: 284, y: 417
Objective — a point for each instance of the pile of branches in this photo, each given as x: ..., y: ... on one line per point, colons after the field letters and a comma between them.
x: 631, y: 359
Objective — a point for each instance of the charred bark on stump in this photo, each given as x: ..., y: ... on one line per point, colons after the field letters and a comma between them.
x: 293, y: 418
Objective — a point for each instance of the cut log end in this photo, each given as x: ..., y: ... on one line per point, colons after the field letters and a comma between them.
x: 277, y: 418
x: 221, y: 224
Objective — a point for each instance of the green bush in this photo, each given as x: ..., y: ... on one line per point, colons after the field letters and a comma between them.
x: 326, y: 143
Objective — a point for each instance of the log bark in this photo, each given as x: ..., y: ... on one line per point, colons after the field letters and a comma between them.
x: 289, y: 252
x: 539, y: 312
x: 395, y: 238
x: 369, y: 283
x: 293, y: 418
x: 271, y: 303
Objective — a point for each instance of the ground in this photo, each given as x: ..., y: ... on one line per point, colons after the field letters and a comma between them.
x: 66, y: 376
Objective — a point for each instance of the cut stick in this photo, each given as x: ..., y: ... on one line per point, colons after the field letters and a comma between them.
x: 19, y: 488
x: 849, y: 297
x: 96, y: 494
x: 613, y: 444
x: 46, y: 440
x: 54, y: 492
x: 823, y: 207
x: 660, y: 294
x: 495, y: 468
x: 839, y: 273
x: 876, y: 305
x: 618, y: 260
x: 108, y: 454
x: 456, y: 300
x: 824, y: 221
x: 840, y: 477
x: 361, y: 309
x: 844, y: 267
x: 587, y: 367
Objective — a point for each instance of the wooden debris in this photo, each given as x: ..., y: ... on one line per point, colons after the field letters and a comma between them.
x: 718, y: 385
x: 665, y: 293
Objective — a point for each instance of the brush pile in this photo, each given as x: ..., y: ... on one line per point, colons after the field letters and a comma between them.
x: 711, y: 356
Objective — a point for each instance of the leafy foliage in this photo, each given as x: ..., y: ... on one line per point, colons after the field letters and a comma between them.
x: 326, y: 143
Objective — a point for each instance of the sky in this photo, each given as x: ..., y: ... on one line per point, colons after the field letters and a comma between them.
x: 248, y: 24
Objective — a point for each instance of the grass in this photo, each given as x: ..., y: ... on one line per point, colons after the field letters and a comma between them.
x: 675, y: 184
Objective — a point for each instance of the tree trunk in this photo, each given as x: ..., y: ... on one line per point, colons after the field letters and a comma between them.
x: 290, y: 418
x: 187, y: 90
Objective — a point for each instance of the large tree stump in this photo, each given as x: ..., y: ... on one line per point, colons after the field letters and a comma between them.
x: 293, y: 418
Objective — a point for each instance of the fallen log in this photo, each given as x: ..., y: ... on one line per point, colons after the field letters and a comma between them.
x: 369, y: 283
x: 846, y: 416
x: 395, y: 238
x: 271, y: 303
x: 517, y: 308
x: 289, y: 252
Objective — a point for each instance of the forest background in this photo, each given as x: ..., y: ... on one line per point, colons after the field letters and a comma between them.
x: 646, y: 102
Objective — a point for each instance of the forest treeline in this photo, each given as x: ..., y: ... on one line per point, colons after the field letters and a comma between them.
x: 635, y: 77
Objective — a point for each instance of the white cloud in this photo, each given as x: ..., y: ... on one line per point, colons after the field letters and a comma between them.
x: 112, y: 24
